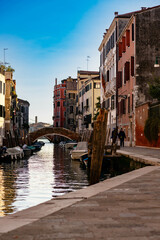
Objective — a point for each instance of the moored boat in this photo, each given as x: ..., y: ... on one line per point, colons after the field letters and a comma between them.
x: 82, y: 148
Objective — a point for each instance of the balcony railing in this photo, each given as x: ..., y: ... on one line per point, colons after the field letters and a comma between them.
x: 110, y: 88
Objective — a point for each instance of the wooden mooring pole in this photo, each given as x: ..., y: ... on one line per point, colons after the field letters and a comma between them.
x: 98, y: 143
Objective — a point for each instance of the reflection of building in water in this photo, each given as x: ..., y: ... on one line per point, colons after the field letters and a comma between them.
x: 1, y: 193
x: 68, y: 174
x: 11, y: 176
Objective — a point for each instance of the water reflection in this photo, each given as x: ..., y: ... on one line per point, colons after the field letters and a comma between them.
x: 68, y: 174
x: 48, y: 173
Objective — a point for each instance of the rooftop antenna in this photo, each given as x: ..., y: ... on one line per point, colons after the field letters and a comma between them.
x: 88, y: 57
x: 4, y: 56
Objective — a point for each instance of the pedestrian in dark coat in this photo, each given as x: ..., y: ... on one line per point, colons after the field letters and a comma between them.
x: 122, y: 136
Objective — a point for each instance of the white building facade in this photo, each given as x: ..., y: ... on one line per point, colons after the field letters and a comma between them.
x: 108, y: 69
x: 2, y: 108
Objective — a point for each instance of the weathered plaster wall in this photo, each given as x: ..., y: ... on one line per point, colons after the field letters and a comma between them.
x: 147, y: 48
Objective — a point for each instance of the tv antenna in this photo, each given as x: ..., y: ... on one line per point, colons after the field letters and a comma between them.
x: 4, y: 49
x: 88, y: 57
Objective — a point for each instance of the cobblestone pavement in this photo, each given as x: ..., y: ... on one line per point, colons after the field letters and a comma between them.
x: 130, y: 210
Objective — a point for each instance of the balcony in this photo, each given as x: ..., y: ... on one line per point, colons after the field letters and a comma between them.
x: 110, y: 88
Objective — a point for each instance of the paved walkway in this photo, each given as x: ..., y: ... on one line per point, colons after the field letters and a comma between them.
x: 142, y: 154
x: 150, y: 152
x: 124, y: 207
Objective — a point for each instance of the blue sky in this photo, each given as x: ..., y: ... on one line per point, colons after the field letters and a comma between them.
x: 51, y: 38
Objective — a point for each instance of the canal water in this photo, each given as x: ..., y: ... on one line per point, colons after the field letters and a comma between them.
x: 47, y: 174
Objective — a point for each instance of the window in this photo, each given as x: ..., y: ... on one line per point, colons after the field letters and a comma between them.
x: 4, y: 113
x: 108, y: 76
x: 90, y: 86
x: 128, y: 38
x: 76, y: 110
x: 71, y: 95
x: 58, y: 93
x: 0, y: 86
x: 58, y: 104
x: 123, y: 106
x: 132, y: 31
x: 123, y: 44
x: 1, y: 111
x: 120, y: 50
x: 119, y: 80
x: 71, y: 109
x: 132, y: 66
x: 112, y: 103
x: 132, y: 101
x: 128, y: 104
x: 124, y: 80
x: 4, y: 88
x: 87, y: 102
x: 87, y: 88
x: 97, y: 85
x: 64, y: 103
x: 82, y: 106
x: 127, y: 72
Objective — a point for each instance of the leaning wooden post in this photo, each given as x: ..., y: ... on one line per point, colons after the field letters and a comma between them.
x: 98, y: 143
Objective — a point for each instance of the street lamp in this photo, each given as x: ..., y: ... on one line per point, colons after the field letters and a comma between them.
x: 157, y: 62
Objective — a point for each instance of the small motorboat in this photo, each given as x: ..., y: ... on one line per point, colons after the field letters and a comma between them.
x: 82, y: 148
x: 84, y: 160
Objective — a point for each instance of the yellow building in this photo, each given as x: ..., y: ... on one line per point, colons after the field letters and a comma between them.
x: 88, y: 90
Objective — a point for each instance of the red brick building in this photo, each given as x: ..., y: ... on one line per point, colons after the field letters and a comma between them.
x: 126, y: 82
x: 59, y: 98
x: 137, y: 51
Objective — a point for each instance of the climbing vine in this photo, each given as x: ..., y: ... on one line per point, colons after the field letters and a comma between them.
x: 98, y: 106
x: 151, y: 128
x: 154, y: 88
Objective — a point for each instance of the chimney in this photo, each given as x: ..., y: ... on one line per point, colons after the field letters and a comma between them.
x: 36, y: 119
x: 143, y: 8
x: 55, y: 81
x: 116, y: 14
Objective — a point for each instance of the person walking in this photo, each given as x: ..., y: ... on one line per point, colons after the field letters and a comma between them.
x: 121, y: 136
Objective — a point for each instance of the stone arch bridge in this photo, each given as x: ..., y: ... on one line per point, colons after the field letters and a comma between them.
x: 33, y: 136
